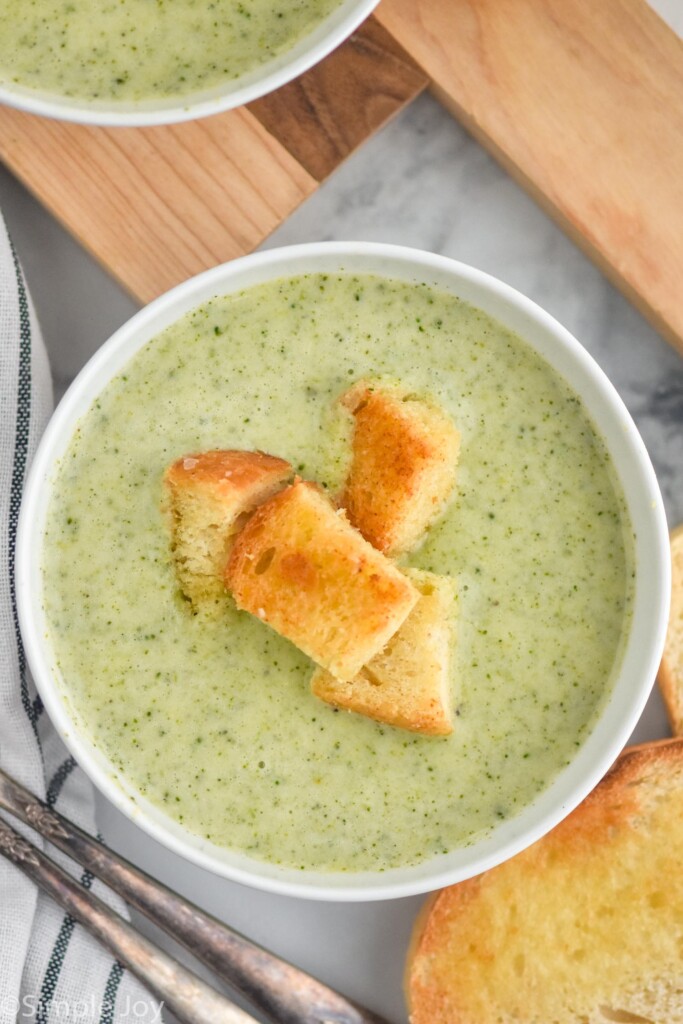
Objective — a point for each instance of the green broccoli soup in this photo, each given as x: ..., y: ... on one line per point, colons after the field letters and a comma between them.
x: 212, y: 719
x: 145, y: 49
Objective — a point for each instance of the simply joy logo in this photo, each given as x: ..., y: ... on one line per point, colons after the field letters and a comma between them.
x: 85, y: 1011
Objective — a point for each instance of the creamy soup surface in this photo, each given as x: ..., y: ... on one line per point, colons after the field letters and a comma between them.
x: 144, y: 49
x: 213, y: 720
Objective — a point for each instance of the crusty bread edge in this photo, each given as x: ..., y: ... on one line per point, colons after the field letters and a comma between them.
x: 654, y: 750
x: 669, y: 687
x: 673, y: 700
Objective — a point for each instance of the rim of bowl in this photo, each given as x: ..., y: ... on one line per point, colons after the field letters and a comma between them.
x: 281, y: 69
x: 631, y: 463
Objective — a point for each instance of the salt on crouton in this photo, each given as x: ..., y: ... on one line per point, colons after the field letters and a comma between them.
x: 303, y: 569
x: 408, y: 683
x: 209, y: 495
x: 405, y: 453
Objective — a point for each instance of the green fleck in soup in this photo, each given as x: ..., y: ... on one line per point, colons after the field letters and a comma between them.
x: 213, y: 719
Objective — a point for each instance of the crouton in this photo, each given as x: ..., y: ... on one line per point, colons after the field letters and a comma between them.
x: 670, y: 675
x: 300, y: 567
x: 408, y: 683
x: 209, y: 496
x: 583, y: 927
x: 405, y: 454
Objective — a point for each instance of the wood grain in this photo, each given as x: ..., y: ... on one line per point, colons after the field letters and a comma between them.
x: 324, y: 115
x: 156, y: 205
x: 582, y: 102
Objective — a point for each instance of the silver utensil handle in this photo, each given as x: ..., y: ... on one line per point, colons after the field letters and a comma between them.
x: 283, y: 993
x: 186, y: 995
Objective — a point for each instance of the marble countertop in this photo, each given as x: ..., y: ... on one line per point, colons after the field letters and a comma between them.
x: 422, y: 182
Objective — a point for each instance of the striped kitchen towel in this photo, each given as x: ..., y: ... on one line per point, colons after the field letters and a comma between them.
x: 51, y: 971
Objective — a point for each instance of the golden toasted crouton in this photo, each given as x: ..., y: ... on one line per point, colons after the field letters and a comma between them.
x: 583, y: 927
x: 405, y: 454
x: 408, y: 683
x: 209, y: 494
x: 670, y: 675
x: 299, y: 566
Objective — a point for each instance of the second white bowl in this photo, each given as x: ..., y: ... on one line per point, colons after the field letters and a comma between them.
x: 289, y: 64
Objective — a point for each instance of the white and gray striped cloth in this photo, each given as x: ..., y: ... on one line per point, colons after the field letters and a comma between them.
x: 51, y: 971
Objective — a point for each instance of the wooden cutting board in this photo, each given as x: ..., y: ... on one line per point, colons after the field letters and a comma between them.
x: 581, y: 102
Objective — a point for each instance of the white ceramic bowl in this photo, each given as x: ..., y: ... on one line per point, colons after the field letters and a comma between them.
x: 633, y: 467
x: 292, y: 62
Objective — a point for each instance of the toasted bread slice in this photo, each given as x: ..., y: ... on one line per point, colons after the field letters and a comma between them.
x: 405, y: 454
x: 670, y: 675
x: 584, y: 927
x: 304, y: 570
x: 209, y: 494
x: 408, y: 683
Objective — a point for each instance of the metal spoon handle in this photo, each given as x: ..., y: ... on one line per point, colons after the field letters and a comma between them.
x: 186, y: 995
x: 283, y: 993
